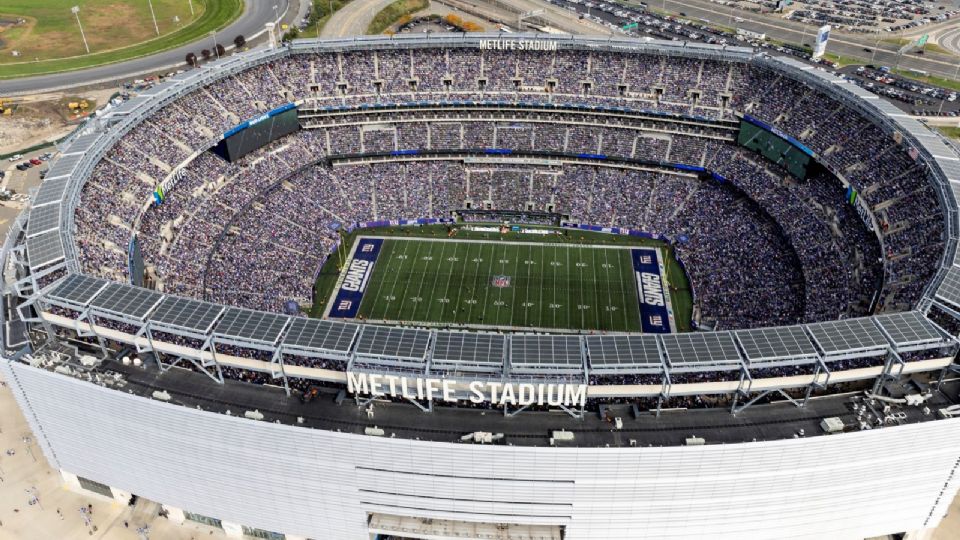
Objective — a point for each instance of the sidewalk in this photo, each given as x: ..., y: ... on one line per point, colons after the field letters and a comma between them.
x: 26, y: 472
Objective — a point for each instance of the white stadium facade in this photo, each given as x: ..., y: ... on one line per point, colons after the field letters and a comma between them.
x: 841, y: 448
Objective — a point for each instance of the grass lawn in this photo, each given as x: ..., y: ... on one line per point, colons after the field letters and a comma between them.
x: 929, y: 47
x: 393, y: 13
x: 929, y: 79
x: 49, y: 41
x: 574, y: 281
x: 952, y: 132
x: 843, y: 60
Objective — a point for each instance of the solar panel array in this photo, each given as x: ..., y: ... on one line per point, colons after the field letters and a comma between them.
x: 623, y: 351
x: 321, y: 335
x: 51, y: 191
x: 83, y: 143
x: 77, y: 289
x: 43, y: 219
x: 191, y: 315
x: 402, y: 343
x: 246, y: 324
x: 64, y: 165
x: 133, y: 302
x: 837, y: 337
x: 949, y: 289
x: 780, y: 343
x: 44, y: 249
x: 545, y: 351
x: 468, y: 348
x: 908, y: 328
x: 700, y: 348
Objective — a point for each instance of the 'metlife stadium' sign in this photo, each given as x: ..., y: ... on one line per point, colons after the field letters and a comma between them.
x: 518, y: 45
x: 497, y: 393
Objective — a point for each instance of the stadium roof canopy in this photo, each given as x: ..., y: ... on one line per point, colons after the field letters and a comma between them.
x: 82, y: 144
x: 248, y: 328
x: 694, y: 352
x: 44, y: 249
x: 51, y: 191
x: 185, y: 314
x: 44, y: 219
x: 848, y: 338
x: 389, y: 346
x: 625, y: 353
x: 122, y: 302
x: 949, y: 289
x: 910, y: 331
x: 76, y: 291
x: 68, y: 162
x: 316, y: 338
x: 776, y: 346
x: 538, y: 354
x: 468, y: 351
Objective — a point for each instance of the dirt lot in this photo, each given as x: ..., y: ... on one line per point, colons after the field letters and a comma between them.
x: 42, y: 118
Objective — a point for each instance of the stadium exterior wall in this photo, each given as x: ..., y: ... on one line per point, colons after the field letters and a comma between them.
x: 322, y: 484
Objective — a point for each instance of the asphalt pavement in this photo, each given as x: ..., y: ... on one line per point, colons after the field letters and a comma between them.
x: 353, y: 18
x: 950, y: 40
x: 256, y: 13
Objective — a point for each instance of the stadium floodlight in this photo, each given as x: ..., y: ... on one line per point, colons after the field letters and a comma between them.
x: 154, y: 16
x: 76, y: 11
x: 213, y: 33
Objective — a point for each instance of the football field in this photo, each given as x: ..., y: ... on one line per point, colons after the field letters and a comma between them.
x: 501, y: 284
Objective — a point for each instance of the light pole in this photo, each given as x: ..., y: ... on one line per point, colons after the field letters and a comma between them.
x: 190, y: 3
x: 276, y: 14
x: 215, y: 51
x: 76, y: 11
x: 155, y: 27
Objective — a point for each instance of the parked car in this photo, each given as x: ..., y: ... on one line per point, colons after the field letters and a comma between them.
x: 15, y: 157
x: 35, y: 161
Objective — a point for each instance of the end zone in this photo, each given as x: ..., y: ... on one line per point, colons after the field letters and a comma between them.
x: 352, y: 284
x: 656, y: 314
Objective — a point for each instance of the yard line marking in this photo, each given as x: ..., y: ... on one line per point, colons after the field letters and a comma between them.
x: 403, y: 297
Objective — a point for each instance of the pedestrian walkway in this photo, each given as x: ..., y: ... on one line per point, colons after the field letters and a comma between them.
x: 35, y: 504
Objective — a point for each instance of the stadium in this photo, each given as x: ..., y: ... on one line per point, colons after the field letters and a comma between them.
x: 498, y: 286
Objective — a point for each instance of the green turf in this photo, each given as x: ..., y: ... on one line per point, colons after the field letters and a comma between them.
x: 551, y: 286
x: 680, y: 292
x: 116, y: 30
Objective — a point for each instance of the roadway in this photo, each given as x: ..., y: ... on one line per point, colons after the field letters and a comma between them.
x: 353, y: 18
x: 255, y: 14
x: 950, y: 40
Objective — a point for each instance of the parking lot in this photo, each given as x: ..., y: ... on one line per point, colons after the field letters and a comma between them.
x: 911, y: 96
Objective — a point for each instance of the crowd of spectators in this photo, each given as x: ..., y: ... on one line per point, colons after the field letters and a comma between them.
x: 762, y: 249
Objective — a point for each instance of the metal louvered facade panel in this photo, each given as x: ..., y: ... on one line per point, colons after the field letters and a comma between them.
x: 321, y: 484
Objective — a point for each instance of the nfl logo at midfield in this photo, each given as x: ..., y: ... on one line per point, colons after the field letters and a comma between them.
x: 501, y: 281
